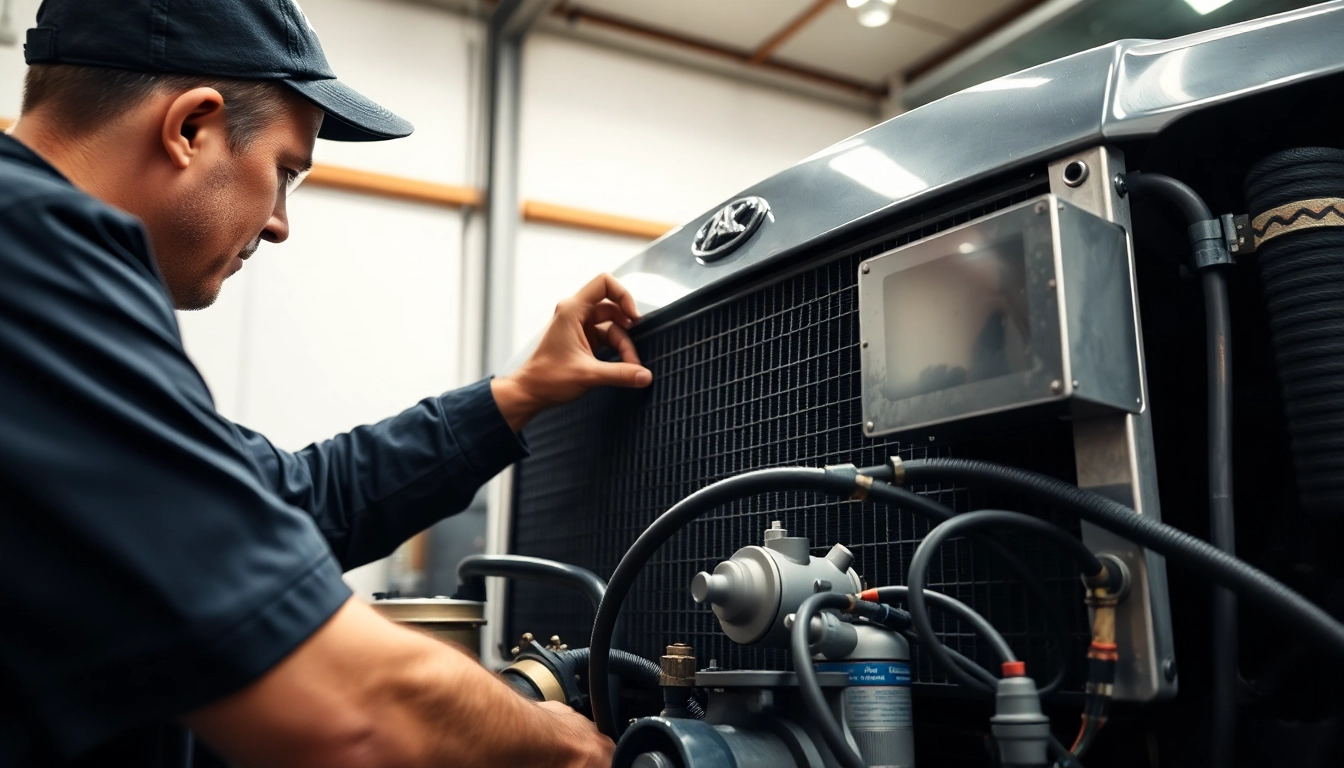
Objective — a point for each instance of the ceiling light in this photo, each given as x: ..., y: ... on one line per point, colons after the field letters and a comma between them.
x: 875, y: 13
x: 1204, y: 7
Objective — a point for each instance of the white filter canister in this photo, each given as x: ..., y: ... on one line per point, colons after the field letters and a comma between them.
x: 878, y: 711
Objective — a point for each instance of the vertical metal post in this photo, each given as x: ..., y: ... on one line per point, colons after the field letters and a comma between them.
x: 508, y: 26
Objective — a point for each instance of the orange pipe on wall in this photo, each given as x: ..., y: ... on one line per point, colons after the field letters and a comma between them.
x: 456, y: 196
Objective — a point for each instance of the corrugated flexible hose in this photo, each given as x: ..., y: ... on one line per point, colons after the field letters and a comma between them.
x: 1301, y: 272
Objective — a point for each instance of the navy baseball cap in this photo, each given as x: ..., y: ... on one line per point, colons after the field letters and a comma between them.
x: 240, y: 39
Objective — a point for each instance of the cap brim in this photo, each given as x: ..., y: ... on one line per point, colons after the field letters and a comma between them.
x: 350, y: 116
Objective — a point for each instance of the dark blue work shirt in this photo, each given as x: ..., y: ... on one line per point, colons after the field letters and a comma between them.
x: 155, y: 556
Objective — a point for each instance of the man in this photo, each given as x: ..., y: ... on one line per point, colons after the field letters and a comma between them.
x: 164, y: 567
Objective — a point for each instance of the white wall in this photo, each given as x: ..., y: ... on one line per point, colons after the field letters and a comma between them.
x: 356, y: 317
x: 614, y: 132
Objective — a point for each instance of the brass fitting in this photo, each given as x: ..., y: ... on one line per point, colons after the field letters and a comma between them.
x: 678, y: 666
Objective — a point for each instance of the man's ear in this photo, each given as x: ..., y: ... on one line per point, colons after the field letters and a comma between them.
x: 194, y: 122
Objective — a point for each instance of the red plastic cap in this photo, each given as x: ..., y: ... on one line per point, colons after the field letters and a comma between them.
x: 1014, y: 669
x: 869, y: 594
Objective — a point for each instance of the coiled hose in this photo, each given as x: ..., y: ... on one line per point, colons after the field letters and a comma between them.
x: 1252, y: 584
x: 636, y: 670
x: 1302, y: 281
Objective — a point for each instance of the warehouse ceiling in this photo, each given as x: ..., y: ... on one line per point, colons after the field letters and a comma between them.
x: 928, y: 48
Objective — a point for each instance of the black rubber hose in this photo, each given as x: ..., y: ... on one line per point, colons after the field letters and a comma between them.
x: 808, y: 686
x: 1223, y: 655
x: 1270, y: 595
x: 527, y: 568
x: 1222, y: 523
x: 1054, y: 615
x: 1302, y: 279
x: 627, y: 666
x: 919, y: 566
x: 966, y: 614
x: 664, y: 528
x: 534, y: 569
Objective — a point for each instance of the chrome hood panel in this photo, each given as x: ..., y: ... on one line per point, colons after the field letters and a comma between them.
x: 1128, y: 89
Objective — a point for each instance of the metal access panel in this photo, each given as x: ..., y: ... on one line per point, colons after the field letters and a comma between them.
x: 1027, y: 308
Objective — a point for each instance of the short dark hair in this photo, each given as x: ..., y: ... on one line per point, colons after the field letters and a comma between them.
x: 84, y: 98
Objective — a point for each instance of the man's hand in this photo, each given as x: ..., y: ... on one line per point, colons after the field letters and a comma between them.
x: 590, y: 748
x: 564, y: 365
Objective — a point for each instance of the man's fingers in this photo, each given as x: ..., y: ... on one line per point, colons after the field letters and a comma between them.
x: 607, y: 312
x: 620, y: 375
x: 605, y: 286
x: 620, y: 341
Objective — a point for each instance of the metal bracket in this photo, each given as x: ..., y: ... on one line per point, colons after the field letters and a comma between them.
x: 1114, y: 457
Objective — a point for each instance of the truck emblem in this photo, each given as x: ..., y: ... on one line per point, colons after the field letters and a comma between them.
x: 729, y: 228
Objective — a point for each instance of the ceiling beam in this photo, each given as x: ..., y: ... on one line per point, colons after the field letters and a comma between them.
x: 768, y: 48
x: 577, y: 14
x: 961, y: 44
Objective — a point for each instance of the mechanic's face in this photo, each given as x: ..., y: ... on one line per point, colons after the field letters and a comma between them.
x: 232, y: 201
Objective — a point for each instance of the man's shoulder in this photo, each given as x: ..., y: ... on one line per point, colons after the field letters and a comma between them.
x: 50, y: 215
x: 27, y: 192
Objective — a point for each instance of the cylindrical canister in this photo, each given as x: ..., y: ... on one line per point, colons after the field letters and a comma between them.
x: 452, y: 621
x: 877, y: 701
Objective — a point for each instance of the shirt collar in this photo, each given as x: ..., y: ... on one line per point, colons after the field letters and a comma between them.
x: 15, y: 150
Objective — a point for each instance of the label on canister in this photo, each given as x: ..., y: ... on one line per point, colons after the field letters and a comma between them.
x: 878, y: 696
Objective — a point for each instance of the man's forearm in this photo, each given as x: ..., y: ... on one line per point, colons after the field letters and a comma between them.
x: 363, y: 691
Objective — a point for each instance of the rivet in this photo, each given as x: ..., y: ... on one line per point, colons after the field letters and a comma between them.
x: 868, y: 427
x: 1040, y: 207
x: 865, y: 268
x: 1056, y: 386
x: 1052, y: 284
x: 1075, y: 384
x: 864, y: 344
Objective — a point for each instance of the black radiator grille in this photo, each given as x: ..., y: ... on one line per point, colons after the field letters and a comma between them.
x: 770, y: 378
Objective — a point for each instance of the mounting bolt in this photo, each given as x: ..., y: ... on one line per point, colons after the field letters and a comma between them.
x: 865, y: 268
x: 1169, y: 669
x: 1056, y: 386
x: 821, y: 585
x: 1040, y: 208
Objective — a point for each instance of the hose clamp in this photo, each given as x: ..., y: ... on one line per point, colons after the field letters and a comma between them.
x: 540, y: 676
x: 1291, y: 217
x: 897, y: 470
x: 863, y: 483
